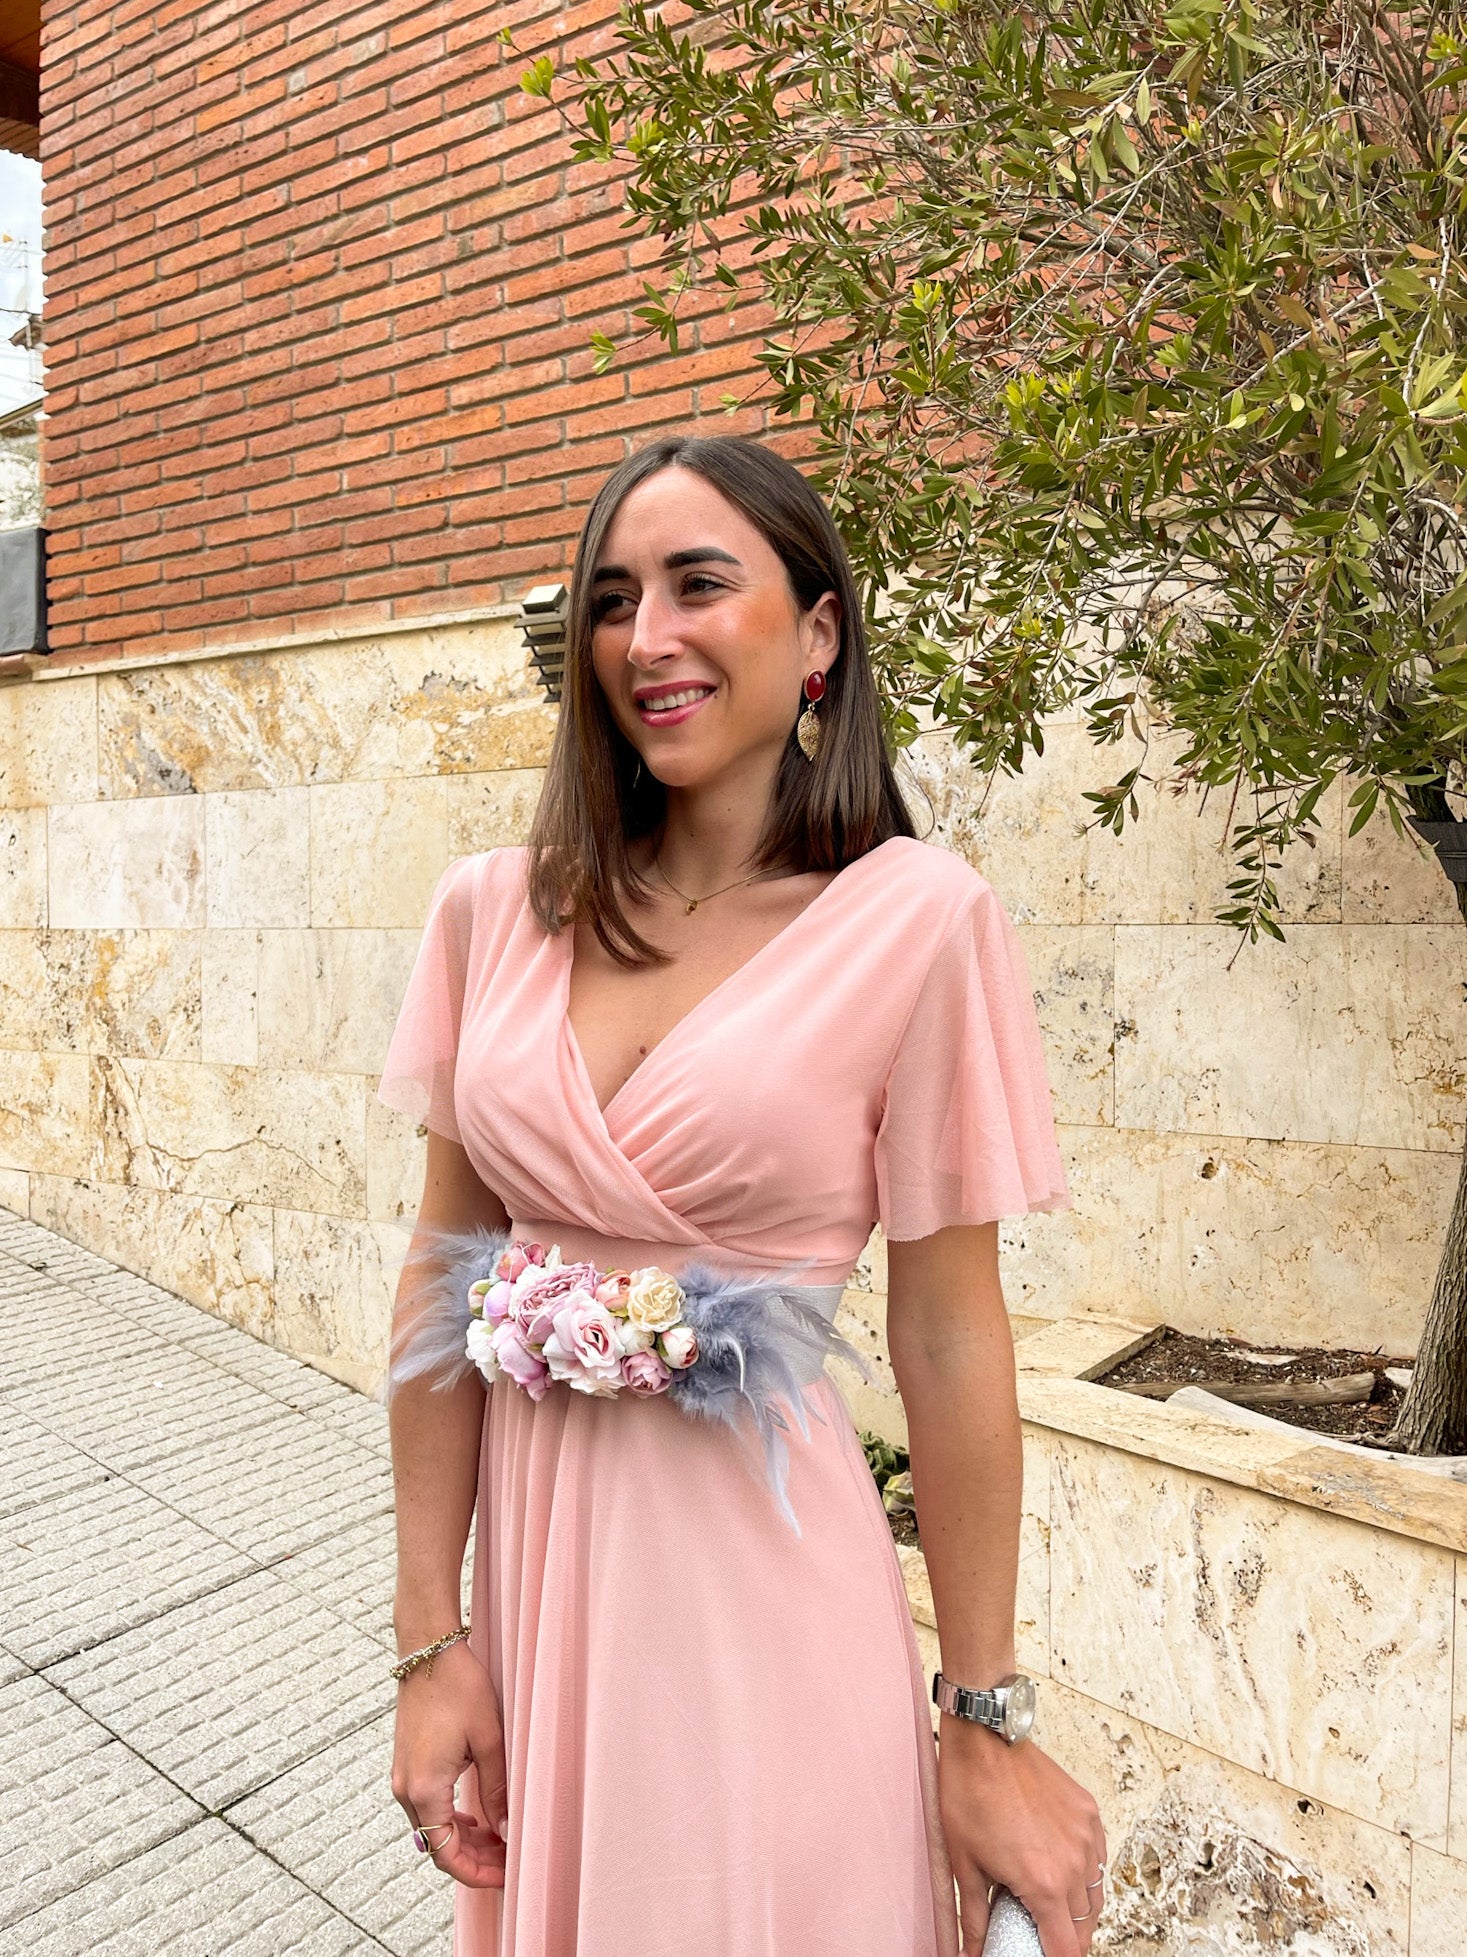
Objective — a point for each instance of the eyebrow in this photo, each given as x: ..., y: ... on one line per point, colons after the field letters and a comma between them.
x: 674, y: 561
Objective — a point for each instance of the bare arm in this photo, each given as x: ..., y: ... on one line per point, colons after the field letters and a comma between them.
x: 447, y: 1719
x: 1010, y: 1813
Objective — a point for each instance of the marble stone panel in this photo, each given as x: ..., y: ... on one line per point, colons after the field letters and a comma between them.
x: 218, y: 1254
x: 44, y: 1124
x: 329, y: 999
x: 22, y: 869
x: 1354, y: 1034
x: 1072, y: 972
x: 1457, y: 1829
x: 333, y: 1306
x: 48, y: 742
x: 259, y: 856
x: 1391, y: 879
x: 1438, y: 1904
x: 1031, y: 1601
x: 487, y: 811
x: 1206, y: 1857
x: 397, y: 1153
x: 1257, y: 1629
x: 230, y: 987
x: 128, y: 864
x: 129, y: 992
x: 378, y: 849
x: 250, y: 1135
x: 1272, y: 1241
x: 446, y: 700
x: 15, y: 1191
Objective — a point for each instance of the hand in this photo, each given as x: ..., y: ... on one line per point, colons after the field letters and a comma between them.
x: 448, y: 1721
x: 1012, y: 1815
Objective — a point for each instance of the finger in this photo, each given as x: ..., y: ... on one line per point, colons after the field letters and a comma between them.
x: 474, y: 1856
x: 489, y: 1772
x: 973, y: 1909
x: 1057, y: 1934
x: 1082, y: 1906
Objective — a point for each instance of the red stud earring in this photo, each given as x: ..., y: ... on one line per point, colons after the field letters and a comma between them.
x: 807, y: 728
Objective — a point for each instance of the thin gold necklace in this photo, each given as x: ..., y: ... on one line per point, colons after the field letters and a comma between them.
x: 693, y: 902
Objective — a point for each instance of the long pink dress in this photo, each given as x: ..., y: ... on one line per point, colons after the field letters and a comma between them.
x: 717, y: 1732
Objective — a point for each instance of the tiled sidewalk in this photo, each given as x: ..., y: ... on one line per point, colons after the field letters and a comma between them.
x: 195, y: 1633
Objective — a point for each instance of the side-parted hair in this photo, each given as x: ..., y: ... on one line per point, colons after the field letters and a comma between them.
x: 822, y: 814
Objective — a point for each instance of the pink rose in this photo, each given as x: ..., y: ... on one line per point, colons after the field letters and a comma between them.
x: 497, y: 1301
x: 678, y: 1345
x: 645, y: 1373
x: 552, y: 1287
x: 612, y: 1291
x: 582, y: 1348
x: 515, y: 1256
x: 525, y: 1368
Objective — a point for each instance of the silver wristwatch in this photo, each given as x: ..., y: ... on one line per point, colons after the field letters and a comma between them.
x: 1007, y: 1708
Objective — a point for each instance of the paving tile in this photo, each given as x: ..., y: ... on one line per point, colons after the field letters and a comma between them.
x: 224, y: 1693
x: 74, y: 1801
x: 332, y: 1822
x: 43, y: 1250
x: 290, y: 1482
x: 131, y: 1411
x: 60, y: 1340
x: 37, y: 1465
x: 354, y: 1574
x: 205, y: 1893
x: 99, y: 1560
x: 11, y: 1667
x: 363, y: 1419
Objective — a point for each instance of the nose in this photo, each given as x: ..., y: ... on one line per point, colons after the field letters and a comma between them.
x: 654, y: 635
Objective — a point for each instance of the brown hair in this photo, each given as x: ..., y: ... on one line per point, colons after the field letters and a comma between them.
x: 822, y: 815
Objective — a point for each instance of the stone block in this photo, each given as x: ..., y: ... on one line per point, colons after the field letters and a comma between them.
x: 378, y: 849
x: 259, y: 855
x: 130, y: 864
x: 230, y: 989
x: 48, y: 743
x: 44, y: 1112
x: 487, y: 811
x: 329, y: 999
x: 22, y: 869
x: 1260, y: 1630
x: 1376, y: 1009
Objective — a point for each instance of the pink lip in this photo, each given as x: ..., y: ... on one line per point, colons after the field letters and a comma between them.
x: 674, y: 714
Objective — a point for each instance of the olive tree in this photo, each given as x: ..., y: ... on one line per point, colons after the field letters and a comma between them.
x: 1129, y: 342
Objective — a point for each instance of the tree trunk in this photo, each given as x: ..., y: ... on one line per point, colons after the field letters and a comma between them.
x: 1433, y: 1416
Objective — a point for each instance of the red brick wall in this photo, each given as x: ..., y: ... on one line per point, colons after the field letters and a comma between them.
x: 319, y: 286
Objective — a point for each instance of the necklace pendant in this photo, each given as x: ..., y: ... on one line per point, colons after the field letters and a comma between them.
x: 692, y: 906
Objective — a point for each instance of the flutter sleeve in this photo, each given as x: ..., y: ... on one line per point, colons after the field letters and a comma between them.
x: 417, y: 1074
x: 967, y: 1126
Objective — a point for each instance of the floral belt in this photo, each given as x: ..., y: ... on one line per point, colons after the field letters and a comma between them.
x: 717, y: 1346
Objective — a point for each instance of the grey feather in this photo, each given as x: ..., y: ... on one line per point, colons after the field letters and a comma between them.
x: 429, y: 1342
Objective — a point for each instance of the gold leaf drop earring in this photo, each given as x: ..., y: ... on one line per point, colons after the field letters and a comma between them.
x: 807, y: 728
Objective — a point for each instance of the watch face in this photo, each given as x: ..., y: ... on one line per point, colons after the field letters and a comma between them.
x: 1018, y: 1714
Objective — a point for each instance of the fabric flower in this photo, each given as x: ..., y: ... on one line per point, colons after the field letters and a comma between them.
x: 518, y: 1363
x: 550, y: 1286
x: 480, y: 1343
x: 612, y: 1291
x: 583, y: 1349
x: 515, y: 1256
x: 678, y: 1345
x: 645, y: 1373
x: 633, y: 1338
x: 654, y: 1298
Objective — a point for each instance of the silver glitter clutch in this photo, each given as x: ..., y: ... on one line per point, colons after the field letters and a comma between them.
x: 1011, y: 1929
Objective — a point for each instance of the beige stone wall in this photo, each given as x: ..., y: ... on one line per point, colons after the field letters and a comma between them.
x: 213, y: 872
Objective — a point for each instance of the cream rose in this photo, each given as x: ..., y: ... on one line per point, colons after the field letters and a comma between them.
x: 633, y: 1338
x: 654, y: 1299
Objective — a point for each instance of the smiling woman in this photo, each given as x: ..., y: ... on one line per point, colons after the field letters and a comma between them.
x: 689, y: 1726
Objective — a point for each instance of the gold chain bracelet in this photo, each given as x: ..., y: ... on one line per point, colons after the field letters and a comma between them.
x: 428, y: 1653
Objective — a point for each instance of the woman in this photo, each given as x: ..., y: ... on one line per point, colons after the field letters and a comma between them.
x: 689, y: 1728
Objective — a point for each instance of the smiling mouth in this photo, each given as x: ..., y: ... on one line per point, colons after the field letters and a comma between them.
x: 662, y: 709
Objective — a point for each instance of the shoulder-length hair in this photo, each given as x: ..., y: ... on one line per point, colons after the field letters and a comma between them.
x: 822, y: 815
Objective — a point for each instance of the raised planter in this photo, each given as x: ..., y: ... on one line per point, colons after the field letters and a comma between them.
x: 1255, y: 1655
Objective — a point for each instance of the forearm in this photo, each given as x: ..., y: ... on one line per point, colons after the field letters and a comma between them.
x: 435, y: 1434
x: 966, y: 1451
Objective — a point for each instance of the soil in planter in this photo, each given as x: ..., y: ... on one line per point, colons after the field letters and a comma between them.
x: 1207, y: 1362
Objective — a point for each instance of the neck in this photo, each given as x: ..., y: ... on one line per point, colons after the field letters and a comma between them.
x: 710, y: 833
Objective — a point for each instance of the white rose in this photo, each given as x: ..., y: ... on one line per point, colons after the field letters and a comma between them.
x: 480, y: 1343
x: 633, y: 1338
x: 679, y: 1345
x: 654, y: 1299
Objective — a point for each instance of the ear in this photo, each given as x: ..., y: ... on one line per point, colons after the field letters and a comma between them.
x: 822, y: 626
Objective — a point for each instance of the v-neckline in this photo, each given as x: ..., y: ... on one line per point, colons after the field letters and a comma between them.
x: 568, y: 960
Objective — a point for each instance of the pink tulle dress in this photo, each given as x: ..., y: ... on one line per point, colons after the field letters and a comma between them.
x: 717, y: 1731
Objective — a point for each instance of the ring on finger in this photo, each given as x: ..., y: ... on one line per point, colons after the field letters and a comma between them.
x: 420, y: 1837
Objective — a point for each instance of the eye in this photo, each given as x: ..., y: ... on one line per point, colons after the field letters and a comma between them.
x: 602, y: 605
